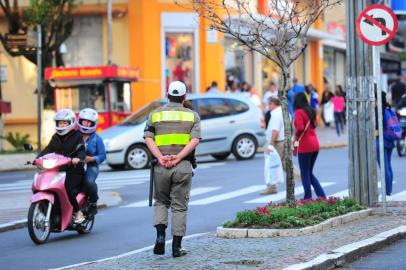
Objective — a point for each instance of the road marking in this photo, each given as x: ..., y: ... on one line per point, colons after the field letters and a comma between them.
x: 341, y: 194
x: 125, y: 254
x: 401, y: 196
x: 193, y: 192
x: 228, y: 195
x: 282, y: 195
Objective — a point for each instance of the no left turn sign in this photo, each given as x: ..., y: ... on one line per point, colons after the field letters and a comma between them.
x: 377, y: 25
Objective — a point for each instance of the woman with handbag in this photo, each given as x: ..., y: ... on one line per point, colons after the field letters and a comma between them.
x: 306, y: 145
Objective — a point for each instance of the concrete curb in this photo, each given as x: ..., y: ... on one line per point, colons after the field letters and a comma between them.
x: 349, y: 253
x: 13, y: 225
x: 233, y: 233
x: 18, y: 224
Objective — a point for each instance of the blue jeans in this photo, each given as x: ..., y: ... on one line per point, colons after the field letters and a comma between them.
x: 306, y: 164
x: 90, y: 185
x: 339, y: 123
x: 387, y: 158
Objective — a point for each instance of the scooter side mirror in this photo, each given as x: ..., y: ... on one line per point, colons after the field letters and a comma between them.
x: 28, y: 147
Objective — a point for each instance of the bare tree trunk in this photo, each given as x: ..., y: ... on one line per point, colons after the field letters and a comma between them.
x: 283, y: 89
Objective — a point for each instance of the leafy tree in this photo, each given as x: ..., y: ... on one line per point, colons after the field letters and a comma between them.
x: 55, y: 18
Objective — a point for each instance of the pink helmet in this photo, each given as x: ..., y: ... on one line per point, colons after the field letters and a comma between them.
x: 65, y: 115
x: 89, y: 115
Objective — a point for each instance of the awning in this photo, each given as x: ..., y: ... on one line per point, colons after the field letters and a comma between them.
x: 328, y: 39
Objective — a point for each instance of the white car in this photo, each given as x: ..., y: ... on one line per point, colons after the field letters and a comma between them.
x: 229, y: 123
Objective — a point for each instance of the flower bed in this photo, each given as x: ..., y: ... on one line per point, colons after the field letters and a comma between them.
x: 306, y: 213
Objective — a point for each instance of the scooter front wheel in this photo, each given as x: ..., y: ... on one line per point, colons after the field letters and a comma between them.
x: 38, y: 227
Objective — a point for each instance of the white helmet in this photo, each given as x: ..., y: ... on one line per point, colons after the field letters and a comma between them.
x: 89, y: 115
x: 65, y: 115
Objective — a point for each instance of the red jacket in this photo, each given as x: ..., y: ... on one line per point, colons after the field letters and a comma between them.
x: 309, y: 142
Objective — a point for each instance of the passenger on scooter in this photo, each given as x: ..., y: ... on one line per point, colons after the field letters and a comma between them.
x: 65, y: 142
x: 95, y: 153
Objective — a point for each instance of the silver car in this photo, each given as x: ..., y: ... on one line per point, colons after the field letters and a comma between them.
x: 230, y: 124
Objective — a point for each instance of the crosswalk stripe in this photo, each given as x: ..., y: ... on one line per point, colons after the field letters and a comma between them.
x: 228, y: 195
x: 401, y: 196
x: 341, y: 194
x: 193, y: 192
x: 282, y: 195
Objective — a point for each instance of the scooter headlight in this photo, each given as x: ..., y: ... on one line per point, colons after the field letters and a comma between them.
x: 49, y: 163
x: 402, y: 112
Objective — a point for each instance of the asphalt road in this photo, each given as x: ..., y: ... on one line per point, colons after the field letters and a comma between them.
x: 389, y: 258
x: 219, y: 190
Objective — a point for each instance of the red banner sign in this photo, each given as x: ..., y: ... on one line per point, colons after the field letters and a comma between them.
x: 101, y: 72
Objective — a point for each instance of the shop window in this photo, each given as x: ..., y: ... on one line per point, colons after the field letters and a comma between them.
x: 84, y: 96
x: 179, y: 51
x: 120, y: 97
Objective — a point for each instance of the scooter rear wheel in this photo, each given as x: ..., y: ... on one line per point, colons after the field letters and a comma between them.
x: 37, y: 228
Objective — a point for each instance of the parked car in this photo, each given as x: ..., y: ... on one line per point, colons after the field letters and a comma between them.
x: 229, y: 123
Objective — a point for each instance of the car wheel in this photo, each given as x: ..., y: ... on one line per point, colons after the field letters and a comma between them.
x: 137, y: 157
x: 244, y: 147
x: 221, y: 156
x: 117, y: 166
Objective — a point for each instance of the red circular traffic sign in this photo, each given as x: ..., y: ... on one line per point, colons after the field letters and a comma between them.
x: 377, y: 25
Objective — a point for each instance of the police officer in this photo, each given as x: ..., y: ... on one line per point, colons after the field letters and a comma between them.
x: 172, y: 133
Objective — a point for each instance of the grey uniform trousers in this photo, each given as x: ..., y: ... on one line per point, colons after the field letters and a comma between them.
x: 172, y: 189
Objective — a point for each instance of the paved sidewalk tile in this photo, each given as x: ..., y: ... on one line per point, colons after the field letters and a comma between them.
x: 209, y: 252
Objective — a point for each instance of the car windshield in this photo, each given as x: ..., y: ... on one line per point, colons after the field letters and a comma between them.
x: 141, y: 115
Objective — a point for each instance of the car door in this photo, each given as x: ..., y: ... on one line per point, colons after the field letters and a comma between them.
x: 216, y: 123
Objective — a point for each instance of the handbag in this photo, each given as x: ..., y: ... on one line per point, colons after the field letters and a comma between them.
x: 296, y: 142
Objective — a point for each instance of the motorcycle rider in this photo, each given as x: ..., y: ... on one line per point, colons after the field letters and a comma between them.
x: 65, y: 142
x: 95, y: 153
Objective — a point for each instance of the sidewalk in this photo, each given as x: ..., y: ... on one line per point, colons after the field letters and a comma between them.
x: 209, y: 252
x: 14, y: 207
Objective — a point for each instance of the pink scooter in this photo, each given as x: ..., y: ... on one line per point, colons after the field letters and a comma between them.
x: 50, y: 209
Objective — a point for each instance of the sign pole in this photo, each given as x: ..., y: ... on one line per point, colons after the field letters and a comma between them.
x: 39, y: 84
x: 377, y: 71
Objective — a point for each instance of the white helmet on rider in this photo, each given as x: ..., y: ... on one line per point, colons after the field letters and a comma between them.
x: 89, y: 115
x: 65, y: 115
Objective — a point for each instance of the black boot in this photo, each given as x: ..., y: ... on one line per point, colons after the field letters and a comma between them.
x: 159, y: 248
x: 93, y: 208
x: 177, y: 249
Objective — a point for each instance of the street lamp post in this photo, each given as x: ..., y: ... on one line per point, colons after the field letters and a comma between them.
x: 362, y: 180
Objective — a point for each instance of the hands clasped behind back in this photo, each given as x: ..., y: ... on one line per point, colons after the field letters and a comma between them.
x: 169, y: 161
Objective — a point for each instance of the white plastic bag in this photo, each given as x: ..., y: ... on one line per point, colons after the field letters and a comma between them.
x: 328, y: 112
x: 273, y: 167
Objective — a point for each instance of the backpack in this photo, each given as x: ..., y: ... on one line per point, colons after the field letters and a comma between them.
x: 392, y: 130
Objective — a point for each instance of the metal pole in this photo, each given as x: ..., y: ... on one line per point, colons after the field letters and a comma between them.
x: 110, y: 31
x: 377, y: 71
x: 39, y: 84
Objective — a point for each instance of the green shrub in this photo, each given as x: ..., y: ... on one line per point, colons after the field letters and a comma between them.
x: 306, y: 213
x: 16, y: 140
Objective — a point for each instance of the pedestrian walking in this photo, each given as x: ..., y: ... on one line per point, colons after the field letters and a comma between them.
x: 272, y: 91
x: 339, y: 107
x: 95, y: 154
x: 275, y: 134
x: 172, y: 133
x: 306, y: 145
x: 340, y: 89
x: 327, y: 113
x: 275, y: 137
x: 388, y: 141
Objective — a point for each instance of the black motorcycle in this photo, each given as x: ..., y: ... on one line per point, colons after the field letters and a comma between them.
x: 401, y: 113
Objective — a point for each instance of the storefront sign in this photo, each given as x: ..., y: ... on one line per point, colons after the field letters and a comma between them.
x: 377, y: 25
x: 102, y: 72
